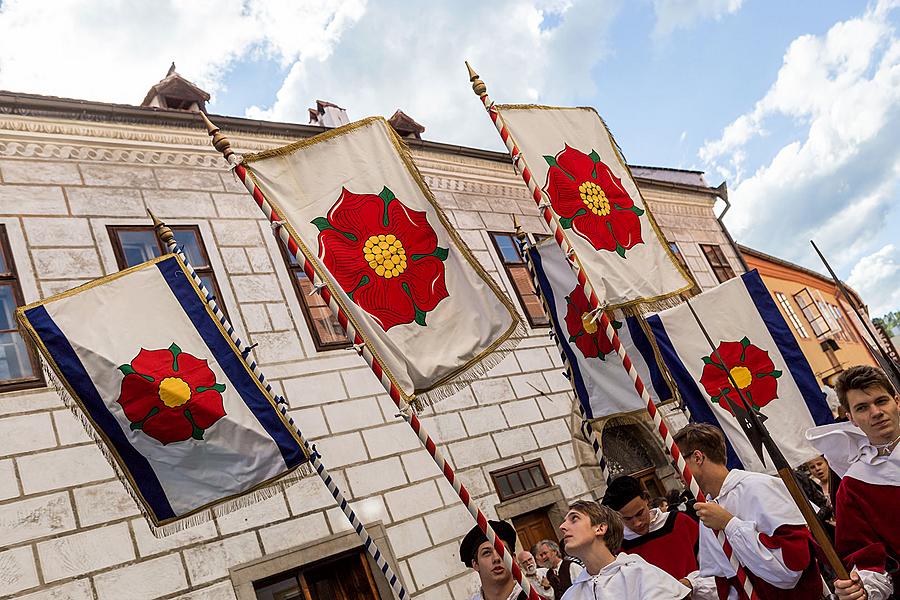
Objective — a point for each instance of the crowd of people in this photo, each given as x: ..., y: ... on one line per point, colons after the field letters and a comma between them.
x: 630, y: 546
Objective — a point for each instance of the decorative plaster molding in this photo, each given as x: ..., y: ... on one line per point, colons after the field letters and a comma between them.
x: 86, y: 153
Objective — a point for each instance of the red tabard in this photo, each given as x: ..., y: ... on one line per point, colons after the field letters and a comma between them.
x: 868, y: 530
x: 672, y: 547
x: 796, y: 543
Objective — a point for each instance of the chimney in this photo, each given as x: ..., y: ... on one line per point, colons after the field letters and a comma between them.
x: 326, y: 114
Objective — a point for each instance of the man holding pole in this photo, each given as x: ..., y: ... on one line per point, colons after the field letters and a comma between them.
x: 477, y: 553
x: 864, y: 451
x: 766, y: 530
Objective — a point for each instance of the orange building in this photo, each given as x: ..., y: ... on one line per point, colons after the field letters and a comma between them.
x: 828, y: 331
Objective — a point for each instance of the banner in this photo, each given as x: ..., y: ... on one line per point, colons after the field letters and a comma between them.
x: 600, y: 380
x: 571, y: 154
x: 355, y: 204
x: 165, y: 393
x: 761, y: 355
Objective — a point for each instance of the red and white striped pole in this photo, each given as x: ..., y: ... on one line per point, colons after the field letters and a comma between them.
x: 221, y: 143
x: 552, y: 221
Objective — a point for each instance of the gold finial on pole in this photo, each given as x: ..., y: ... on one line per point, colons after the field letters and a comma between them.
x: 219, y: 141
x: 520, y: 235
x: 162, y: 230
x: 477, y: 85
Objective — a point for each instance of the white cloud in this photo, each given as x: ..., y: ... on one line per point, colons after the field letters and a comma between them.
x: 682, y: 14
x: 836, y: 184
x: 114, y: 51
x: 411, y: 56
x: 877, y: 278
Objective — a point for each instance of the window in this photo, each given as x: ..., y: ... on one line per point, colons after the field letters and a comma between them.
x: 19, y: 366
x: 718, y: 262
x: 519, y: 480
x: 347, y: 577
x: 134, y: 245
x: 812, y: 313
x: 843, y: 324
x: 673, y: 247
x: 327, y: 332
x: 508, y: 250
x: 791, y: 315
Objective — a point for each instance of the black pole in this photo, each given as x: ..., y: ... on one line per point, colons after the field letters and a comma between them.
x: 893, y: 370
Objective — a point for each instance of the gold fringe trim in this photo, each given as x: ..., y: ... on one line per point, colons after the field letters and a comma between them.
x: 464, y: 375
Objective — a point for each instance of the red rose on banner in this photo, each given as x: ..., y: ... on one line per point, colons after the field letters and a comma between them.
x: 584, y: 331
x: 750, y: 367
x: 170, y: 395
x: 384, y: 255
x: 592, y: 201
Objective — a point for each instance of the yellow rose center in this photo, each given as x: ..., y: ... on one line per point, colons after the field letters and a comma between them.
x: 590, y: 326
x: 742, y: 377
x: 174, y: 391
x: 386, y: 255
x: 594, y: 198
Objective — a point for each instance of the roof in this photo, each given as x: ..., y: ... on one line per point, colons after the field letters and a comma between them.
x: 679, y: 176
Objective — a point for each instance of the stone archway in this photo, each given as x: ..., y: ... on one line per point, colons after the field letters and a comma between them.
x: 631, y: 449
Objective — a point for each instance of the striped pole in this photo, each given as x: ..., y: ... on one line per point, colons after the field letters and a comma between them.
x: 221, y: 143
x: 165, y: 234
x: 586, y: 428
x: 552, y: 221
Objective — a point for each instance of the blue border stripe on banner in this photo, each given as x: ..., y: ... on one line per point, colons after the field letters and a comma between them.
x: 694, y: 398
x: 561, y: 334
x: 642, y: 343
x: 78, y: 379
x: 230, y: 362
x: 789, y: 348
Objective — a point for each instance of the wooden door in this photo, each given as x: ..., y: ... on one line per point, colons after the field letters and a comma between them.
x: 533, y: 527
x: 650, y: 482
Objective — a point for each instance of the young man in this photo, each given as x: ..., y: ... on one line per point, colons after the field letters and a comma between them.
x: 561, y: 572
x: 767, y: 533
x: 593, y: 533
x: 537, y: 576
x: 864, y: 453
x: 668, y: 540
x: 476, y: 552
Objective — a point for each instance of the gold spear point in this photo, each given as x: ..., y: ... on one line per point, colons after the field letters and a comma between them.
x: 477, y: 85
x: 219, y: 141
x: 519, y: 233
x: 162, y: 230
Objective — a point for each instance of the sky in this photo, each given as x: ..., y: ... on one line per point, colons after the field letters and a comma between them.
x: 796, y: 105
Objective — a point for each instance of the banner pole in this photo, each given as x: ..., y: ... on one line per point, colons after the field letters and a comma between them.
x: 221, y: 143
x: 167, y: 237
x: 586, y: 427
x: 779, y: 461
x: 480, y: 90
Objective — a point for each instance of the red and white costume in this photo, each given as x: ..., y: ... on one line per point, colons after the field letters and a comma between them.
x: 768, y: 536
x: 867, y: 535
x: 672, y: 544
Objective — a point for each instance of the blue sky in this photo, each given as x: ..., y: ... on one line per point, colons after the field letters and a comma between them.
x: 795, y: 104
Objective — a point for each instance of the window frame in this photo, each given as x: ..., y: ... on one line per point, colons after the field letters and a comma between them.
x: 506, y: 267
x: 305, y: 309
x: 814, y: 321
x: 793, y: 317
x: 121, y: 262
x: 515, y: 469
x: 721, y: 263
x: 36, y: 380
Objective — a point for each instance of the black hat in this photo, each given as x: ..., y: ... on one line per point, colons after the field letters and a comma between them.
x: 621, y: 491
x: 475, y: 538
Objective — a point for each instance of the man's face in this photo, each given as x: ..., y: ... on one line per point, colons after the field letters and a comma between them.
x: 636, y: 515
x: 547, y: 557
x: 578, y: 533
x: 876, y: 412
x: 489, y: 566
x: 527, y: 563
x: 818, y: 468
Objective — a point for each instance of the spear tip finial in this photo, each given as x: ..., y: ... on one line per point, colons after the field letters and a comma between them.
x: 219, y: 141
x: 163, y: 232
x: 518, y: 227
x: 478, y: 85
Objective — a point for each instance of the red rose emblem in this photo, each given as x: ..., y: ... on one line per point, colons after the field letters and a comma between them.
x: 584, y: 331
x: 590, y: 200
x: 750, y: 367
x: 170, y: 395
x: 384, y: 255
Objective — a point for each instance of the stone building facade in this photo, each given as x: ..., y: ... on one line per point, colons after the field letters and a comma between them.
x: 76, y: 180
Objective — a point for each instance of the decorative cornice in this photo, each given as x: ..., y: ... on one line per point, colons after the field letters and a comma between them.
x: 69, y: 152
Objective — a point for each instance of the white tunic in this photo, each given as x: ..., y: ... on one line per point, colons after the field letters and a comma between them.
x: 628, y: 577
